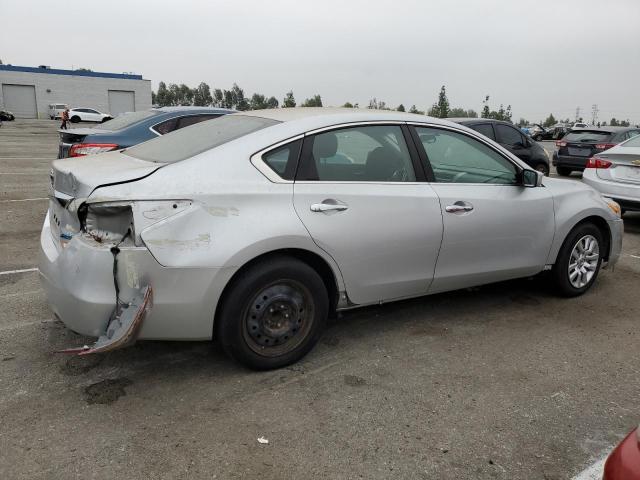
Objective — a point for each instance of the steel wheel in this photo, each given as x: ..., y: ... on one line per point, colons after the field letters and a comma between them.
x: 278, y: 318
x: 583, y: 263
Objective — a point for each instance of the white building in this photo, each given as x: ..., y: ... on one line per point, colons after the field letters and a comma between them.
x: 28, y: 91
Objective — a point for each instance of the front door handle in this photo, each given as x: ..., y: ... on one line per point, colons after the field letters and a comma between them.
x: 328, y: 205
x: 459, y: 207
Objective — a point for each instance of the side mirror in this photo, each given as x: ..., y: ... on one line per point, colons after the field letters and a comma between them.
x: 532, y: 178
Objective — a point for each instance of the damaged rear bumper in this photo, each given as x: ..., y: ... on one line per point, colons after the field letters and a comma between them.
x: 78, y: 280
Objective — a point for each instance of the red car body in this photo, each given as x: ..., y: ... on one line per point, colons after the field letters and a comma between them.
x: 624, y: 462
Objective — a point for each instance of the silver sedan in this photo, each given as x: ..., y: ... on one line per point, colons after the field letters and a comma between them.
x: 255, y: 227
x: 616, y: 173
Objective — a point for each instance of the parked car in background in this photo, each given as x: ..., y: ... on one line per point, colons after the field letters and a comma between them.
x: 87, y: 115
x: 616, y: 173
x: 579, y: 125
x: 577, y: 146
x: 132, y: 128
x: 56, y: 109
x: 7, y: 115
x: 256, y: 226
x: 510, y: 137
x: 624, y: 462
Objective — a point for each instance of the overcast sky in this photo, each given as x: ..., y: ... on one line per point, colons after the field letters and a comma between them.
x: 540, y: 56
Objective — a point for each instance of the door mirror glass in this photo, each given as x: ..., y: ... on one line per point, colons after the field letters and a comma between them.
x: 532, y: 178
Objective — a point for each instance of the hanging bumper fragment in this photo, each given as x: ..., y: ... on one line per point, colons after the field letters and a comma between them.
x: 124, y: 326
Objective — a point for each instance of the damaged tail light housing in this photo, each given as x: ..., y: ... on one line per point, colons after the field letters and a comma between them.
x: 82, y: 149
x: 111, y: 222
x: 596, y: 162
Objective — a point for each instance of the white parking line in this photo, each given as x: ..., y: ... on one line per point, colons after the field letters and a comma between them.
x: 632, y: 256
x: 592, y: 472
x: 24, y: 270
x: 25, y: 200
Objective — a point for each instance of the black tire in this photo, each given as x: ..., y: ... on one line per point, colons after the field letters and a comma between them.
x: 543, y: 167
x: 75, y: 119
x: 563, y: 171
x: 105, y: 119
x: 537, y: 138
x: 251, y: 324
x: 560, y: 272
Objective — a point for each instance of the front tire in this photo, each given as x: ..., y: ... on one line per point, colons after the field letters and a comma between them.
x: 544, y: 168
x: 579, y: 260
x: 273, y: 314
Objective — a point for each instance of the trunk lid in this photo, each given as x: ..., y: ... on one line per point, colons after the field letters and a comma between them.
x: 625, y: 165
x: 78, y: 177
x: 75, y: 135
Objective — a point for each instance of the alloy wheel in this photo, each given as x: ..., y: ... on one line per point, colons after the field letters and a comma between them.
x: 583, y: 262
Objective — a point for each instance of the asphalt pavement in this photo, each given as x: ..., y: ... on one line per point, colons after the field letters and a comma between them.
x: 505, y: 381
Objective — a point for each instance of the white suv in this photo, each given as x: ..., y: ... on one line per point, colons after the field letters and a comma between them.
x: 87, y: 115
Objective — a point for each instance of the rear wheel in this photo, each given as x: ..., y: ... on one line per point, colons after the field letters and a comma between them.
x: 537, y: 138
x: 74, y: 119
x: 273, y: 314
x: 579, y: 260
x: 564, y: 171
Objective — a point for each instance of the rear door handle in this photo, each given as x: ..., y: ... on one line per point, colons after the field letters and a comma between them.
x: 459, y: 207
x: 326, y: 206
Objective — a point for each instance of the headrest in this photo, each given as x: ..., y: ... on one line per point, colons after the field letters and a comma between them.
x: 325, y: 145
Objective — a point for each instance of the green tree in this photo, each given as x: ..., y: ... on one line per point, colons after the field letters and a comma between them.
x: 440, y: 109
x: 400, y: 108
x: 239, y: 100
x: 272, y: 102
x: 227, y: 99
x: 258, y: 102
x: 347, y: 105
x: 458, y: 112
x: 315, y: 101
x: 289, y: 100
x: 163, y: 97
x: 202, y: 95
x: 413, y: 109
x: 486, y: 111
x: 82, y: 69
x: 218, y: 98
x: 549, y: 121
x: 614, y: 123
x: 522, y: 122
x: 625, y: 123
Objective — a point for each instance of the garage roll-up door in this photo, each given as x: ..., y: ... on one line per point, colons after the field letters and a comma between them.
x: 121, y: 101
x: 20, y: 99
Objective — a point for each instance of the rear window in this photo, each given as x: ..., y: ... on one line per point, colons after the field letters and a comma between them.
x: 634, y: 142
x: 187, y: 142
x: 587, y: 136
x: 126, y: 120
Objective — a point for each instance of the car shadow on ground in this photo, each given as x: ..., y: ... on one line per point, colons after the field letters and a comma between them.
x: 631, y: 222
x: 150, y: 362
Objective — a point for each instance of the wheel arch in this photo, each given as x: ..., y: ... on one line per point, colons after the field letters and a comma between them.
x: 601, y: 224
x: 312, y: 259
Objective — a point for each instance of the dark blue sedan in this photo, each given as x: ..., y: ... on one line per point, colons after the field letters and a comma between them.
x: 132, y: 128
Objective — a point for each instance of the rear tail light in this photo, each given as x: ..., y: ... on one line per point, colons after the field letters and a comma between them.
x: 561, y: 143
x: 595, y: 162
x: 81, y: 149
x: 605, y: 146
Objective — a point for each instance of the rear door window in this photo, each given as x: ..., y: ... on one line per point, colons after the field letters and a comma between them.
x: 358, y: 154
x: 485, y: 129
x: 508, y: 135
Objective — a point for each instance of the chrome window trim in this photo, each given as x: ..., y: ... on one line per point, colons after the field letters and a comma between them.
x: 258, y: 162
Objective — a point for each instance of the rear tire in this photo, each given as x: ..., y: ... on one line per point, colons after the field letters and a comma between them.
x: 579, y: 260
x: 537, y: 138
x: 273, y: 314
x: 564, y: 171
x: 75, y: 119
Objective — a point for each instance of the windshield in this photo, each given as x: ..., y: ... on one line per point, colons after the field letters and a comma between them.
x: 187, y: 142
x: 587, y: 136
x: 125, y: 120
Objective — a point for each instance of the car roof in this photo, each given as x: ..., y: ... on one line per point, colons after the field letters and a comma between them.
x: 189, y: 108
x: 331, y: 115
x: 604, y: 129
x: 465, y: 120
